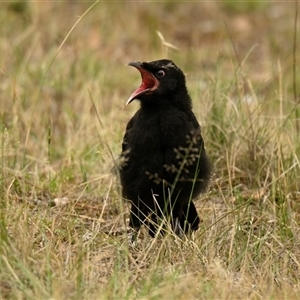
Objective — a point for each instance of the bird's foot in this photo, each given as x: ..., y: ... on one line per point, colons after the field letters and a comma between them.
x: 132, y: 237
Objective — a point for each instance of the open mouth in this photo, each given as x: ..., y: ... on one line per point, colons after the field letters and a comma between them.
x: 149, y: 82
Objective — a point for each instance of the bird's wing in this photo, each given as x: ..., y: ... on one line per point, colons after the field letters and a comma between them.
x: 183, y: 147
x: 127, y: 132
x: 193, y: 120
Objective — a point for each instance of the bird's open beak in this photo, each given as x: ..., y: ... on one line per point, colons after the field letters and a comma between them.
x: 149, y: 82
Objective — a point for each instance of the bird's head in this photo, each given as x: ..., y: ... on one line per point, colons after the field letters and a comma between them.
x: 161, y: 79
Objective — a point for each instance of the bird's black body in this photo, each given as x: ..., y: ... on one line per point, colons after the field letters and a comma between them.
x: 163, y: 161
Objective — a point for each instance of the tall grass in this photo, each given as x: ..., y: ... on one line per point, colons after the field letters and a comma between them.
x: 63, y: 116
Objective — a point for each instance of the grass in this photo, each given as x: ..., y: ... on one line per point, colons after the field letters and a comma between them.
x: 63, y: 116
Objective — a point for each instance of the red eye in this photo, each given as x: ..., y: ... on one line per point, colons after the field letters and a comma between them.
x: 160, y: 74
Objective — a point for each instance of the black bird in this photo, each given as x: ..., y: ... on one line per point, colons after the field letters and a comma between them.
x: 163, y: 163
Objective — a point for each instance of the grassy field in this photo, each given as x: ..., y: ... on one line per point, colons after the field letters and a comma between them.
x: 64, y: 84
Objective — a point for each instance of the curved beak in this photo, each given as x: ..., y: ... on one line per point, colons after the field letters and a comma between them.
x: 135, y: 64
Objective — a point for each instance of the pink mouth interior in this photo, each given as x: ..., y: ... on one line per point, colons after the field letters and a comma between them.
x: 148, y: 83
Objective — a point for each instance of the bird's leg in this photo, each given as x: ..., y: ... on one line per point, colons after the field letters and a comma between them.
x: 132, y: 236
x: 153, y: 225
x: 156, y: 224
x: 137, y: 217
x: 190, y: 219
x: 176, y: 227
x: 176, y: 215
